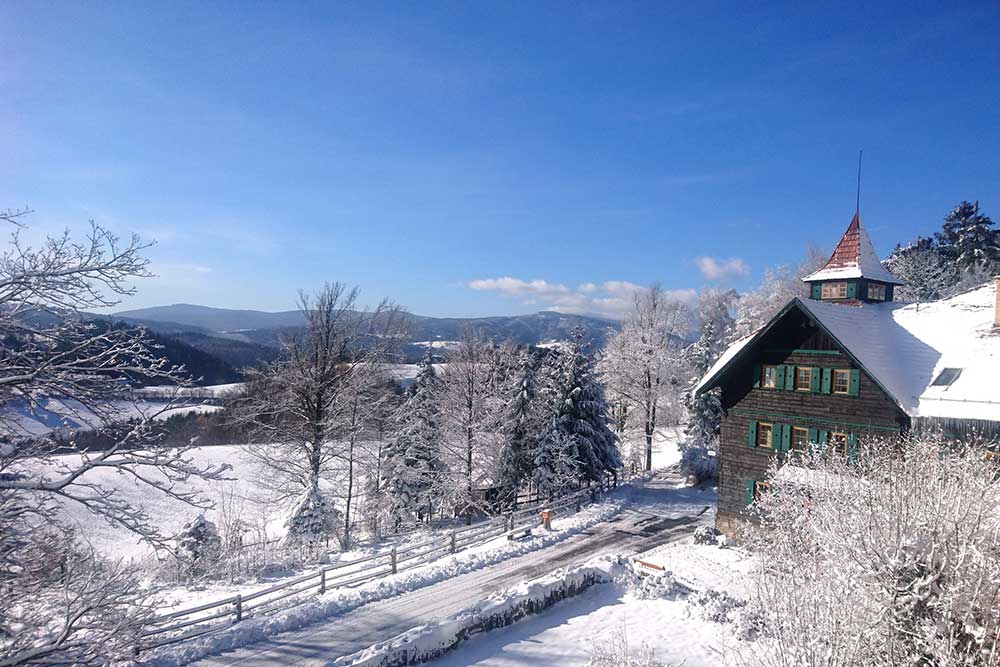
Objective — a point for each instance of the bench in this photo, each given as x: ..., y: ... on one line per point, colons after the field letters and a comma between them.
x: 524, y: 531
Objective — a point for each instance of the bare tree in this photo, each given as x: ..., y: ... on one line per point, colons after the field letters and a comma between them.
x: 297, y: 407
x: 644, y: 360
x: 473, y: 392
x: 55, y: 358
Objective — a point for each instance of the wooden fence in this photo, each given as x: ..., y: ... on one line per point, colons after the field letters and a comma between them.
x: 187, y: 623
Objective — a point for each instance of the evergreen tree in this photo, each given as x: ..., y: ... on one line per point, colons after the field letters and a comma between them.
x: 521, y: 428
x: 414, y: 469
x: 313, y: 519
x: 582, y: 415
x: 968, y: 237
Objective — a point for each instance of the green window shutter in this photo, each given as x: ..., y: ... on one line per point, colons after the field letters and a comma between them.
x: 852, y: 447
x: 756, y: 375
x: 786, y: 437
x: 817, y: 291
x: 813, y: 439
x: 855, y: 385
x: 751, y: 485
x: 852, y: 289
x: 814, y: 380
x: 823, y: 437
x: 827, y: 380
x: 779, y: 381
x: 790, y: 378
x: 752, y: 435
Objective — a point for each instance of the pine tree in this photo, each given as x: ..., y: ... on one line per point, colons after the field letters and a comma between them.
x: 968, y: 237
x: 582, y: 414
x: 414, y: 469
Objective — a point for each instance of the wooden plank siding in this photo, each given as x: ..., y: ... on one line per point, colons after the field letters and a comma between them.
x: 793, y: 341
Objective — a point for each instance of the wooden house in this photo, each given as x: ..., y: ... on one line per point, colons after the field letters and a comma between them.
x: 848, y: 364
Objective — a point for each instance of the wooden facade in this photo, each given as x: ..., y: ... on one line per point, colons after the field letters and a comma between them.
x: 793, y: 342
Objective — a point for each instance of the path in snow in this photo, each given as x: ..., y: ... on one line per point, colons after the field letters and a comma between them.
x: 662, y: 511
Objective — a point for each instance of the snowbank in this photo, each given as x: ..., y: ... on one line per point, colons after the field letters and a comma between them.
x: 500, y: 609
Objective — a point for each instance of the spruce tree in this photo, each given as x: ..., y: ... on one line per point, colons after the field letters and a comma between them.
x: 414, y: 469
x: 968, y: 237
x: 581, y: 414
x: 519, y: 436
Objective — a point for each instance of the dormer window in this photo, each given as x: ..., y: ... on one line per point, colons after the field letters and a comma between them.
x: 876, y: 292
x: 946, y: 377
x: 834, y: 291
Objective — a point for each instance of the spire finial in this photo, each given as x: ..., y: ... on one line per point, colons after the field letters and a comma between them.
x: 857, y: 206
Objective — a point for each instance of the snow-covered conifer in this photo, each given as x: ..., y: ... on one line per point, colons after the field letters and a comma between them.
x: 197, y: 545
x: 313, y: 519
x: 967, y: 237
x: 414, y: 471
x: 581, y: 411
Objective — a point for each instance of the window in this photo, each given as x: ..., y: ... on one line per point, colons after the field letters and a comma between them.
x: 946, y: 377
x: 769, y: 377
x: 841, y: 381
x: 834, y: 291
x: 759, y: 489
x: 993, y: 457
x: 764, y: 432
x: 876, y: 292
x: 803, y: 378
x: 800, y: 439
x: 837, y: 442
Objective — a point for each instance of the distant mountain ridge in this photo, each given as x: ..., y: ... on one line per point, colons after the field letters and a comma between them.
x: 260, y: 328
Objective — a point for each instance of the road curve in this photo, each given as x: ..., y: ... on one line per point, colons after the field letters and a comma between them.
x: 663, y: 510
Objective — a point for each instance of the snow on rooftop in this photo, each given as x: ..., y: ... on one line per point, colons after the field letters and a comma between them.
x: 854, y: 257
x: 905, y: 348
x: 723, y: 361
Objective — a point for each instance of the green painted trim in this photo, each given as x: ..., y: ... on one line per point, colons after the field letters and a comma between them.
x: 836, y: 353
x: 814, y: 420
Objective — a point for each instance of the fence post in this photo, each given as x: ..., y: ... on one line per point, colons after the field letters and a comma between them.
x: 322, y: 581
x: 453, y: 545
x: 510, y: 521
x: 239, y: 607
x: 393, y: 560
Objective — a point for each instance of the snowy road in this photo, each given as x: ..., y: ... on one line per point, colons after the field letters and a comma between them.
x: 662, y: 511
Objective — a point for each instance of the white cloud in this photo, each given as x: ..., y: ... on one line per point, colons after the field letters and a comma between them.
x: 722, y: 269
x: 515, y: 286
x: 612, y: 298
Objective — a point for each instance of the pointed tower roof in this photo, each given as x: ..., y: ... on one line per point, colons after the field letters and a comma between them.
x: 854, y: 257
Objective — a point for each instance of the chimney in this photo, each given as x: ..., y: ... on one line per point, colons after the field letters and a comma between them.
x: 996, y: 304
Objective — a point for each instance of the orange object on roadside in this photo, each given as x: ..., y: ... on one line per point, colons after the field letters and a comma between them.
x: 547, y: 519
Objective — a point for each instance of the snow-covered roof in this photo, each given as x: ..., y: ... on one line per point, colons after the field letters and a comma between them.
x: 904, y: 348
x: 854, y: 257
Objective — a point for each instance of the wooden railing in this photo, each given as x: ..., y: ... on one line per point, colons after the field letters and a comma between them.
x: 184, y: 624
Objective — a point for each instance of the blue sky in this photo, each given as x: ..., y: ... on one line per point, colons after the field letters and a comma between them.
x: 478, y: 158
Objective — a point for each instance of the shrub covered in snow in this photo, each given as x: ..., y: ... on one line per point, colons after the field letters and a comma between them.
x: 890, y: 560
x: 616, y: 651
x: 706, y: 535
x: 197, y: 546
x: 698, y: 462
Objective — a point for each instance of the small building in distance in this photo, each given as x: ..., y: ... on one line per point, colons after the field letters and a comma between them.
x: 848, y: 364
